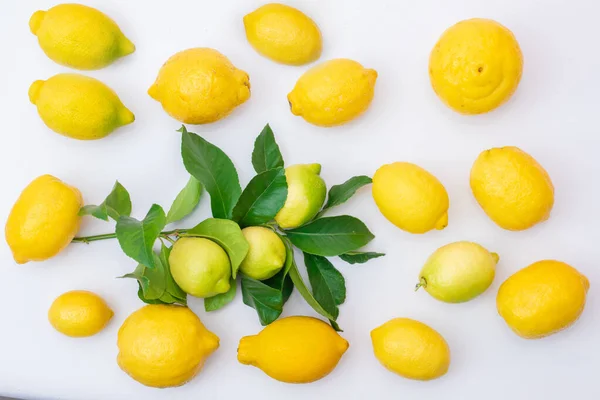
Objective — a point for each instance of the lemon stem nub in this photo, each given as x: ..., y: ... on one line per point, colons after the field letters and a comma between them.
x: 34, y: 91
x: 246, y: 350
x: 126, y: 47
x: 496, y: 257
x: 422, y: 284
x: 36, y: 21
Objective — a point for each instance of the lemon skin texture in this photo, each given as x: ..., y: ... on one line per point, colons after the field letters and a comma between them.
x: 266, y: 255
x: 79, y: 37
x: 200, y: 267
x: 78, y: 106
x: 294, y: 349
x: 476, y: 66
x: 79, y: 313
x: 411, y: 349
x: 283, y: 34
x: 43, y: 220
x: 306, y: 195
x: 513, y: 189
x: 542, y: 299
x: 164, y: 345
x: 458, y: 272
x: 200, y: 86
x: 333, y: 93
x: 410, y: 197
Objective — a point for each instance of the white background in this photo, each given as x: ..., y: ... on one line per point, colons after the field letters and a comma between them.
x: 553, y: 116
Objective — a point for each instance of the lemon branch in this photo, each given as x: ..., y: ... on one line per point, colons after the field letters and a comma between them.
x: 95, y: 238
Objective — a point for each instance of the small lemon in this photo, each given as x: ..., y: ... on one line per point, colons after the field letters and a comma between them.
x: 283, y: 34
x: 306, y: 195
x: 199, y: 86
x: 543, y: 298
x: 513, y: 189
x: 164, y: 345
x: 475, y: 66
x: 79, y: 313
x: 410, y: 197
x: 333, y: 93
x: 294, y: 349
x: 79, y: 37
x: 266, y: 255
x: 458, y: 272
x: 78, y: 106
x: 43, y: 220
x: 411, y: 349
x: 200, y: 267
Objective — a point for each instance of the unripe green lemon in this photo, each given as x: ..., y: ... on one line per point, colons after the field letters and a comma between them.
x: 266, y: 255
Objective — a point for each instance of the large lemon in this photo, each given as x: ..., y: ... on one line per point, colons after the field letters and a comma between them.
x: 513, y: 189
x: 266, y: 255
x: 43, y: 220
x: 543, y: 298
x: 283, y: 34
x: 475, y: 66
x: 199, y: 86
x: 410, y: 197
x: 79, y: 313
x: 163, y: 346
x: 294, y: 349
x: 333, y: 93
x: 79, y: 37
x: 78, y: 106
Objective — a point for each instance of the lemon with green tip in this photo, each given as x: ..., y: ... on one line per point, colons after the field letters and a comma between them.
x: 79, y: 313
x: 266, y: 255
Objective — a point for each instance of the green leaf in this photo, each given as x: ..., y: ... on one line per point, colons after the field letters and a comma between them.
x: 186, y: 201
x: 151, y: 280
x: 266, y: 154
x: 171, y: 287
x: 335, y: 326
x: 226, y: 234
x: 137, y: 237
x: 279, y: 280
x: 117, y: 203
x: 267, y: 301
x: 288, y: 288
x: 357, y: 257
x: 215, y: 171
x: 327, y: 283
x: 262, y: 199
x: 221, y: 300
x: 339, y: 194
x: 331, y: 236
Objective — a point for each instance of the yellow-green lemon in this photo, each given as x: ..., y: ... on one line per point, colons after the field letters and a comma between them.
x: 475, y: 66
x: 513, y: 189
x: 283, y: 34
x: 333, y: 93
x: 79, y: 313
x: 200, y: 267
x: 78, y: 106
x: 458, y: 272
x: 294, y: 349
x: 266, y: 255
x: 43, y: 220
x: 543, y: 298
x: 306, y: 195
x: 79, y: 37
x: 199, y: 86
x: 410, y: 197
x: 164, y: 345
x: 411, y: 349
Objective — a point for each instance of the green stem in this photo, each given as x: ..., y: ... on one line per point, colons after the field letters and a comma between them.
x: 105, y: 236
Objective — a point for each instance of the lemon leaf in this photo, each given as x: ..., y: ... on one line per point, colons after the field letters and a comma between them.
x: 357, y: 257
x: 137, y: 237
x: 117, y: 203
x: 266, y: 154
x: 219, y: 301
x: 186, y: 201
x: 267, y: 301
x: 327, y: 283
x: 262, y: 199
x: 339, y: 194
x: 171, y: 287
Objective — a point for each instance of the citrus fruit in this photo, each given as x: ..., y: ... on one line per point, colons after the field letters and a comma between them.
x: 266, y: 255
x: 79, y: 313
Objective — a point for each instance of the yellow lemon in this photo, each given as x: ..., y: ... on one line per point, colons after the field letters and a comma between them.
x: 43, y: 220
x: 283, y: 34
x: 475, y: 66
x: 543, y: 298
x: 410, y: 197
x: 199, y: 86
x: 411, y: 349
x: 163, y: 345
x: 266, y: 255
x: 79, y: 37
x: 294, y: 349
x: 513, y: 189
x: 79, y: 313
x: 78, y: 106
x: 306, y: 195
x: 333, y: 93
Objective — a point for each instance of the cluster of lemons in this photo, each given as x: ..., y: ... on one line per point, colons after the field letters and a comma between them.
x: 474, y: 68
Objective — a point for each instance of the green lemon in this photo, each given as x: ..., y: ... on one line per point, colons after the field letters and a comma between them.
x: 266, y: 255
x: 200, y: 267
x: 458, y: 272
x: 306, y: 195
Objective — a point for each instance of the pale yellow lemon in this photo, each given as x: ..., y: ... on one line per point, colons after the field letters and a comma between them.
x: 266, y: 255
x: 79, y: 313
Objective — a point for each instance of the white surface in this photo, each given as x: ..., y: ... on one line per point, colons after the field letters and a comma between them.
x: 553, y: 116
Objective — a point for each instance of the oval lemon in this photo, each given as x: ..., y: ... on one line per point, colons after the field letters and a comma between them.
x: 79, y: 313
